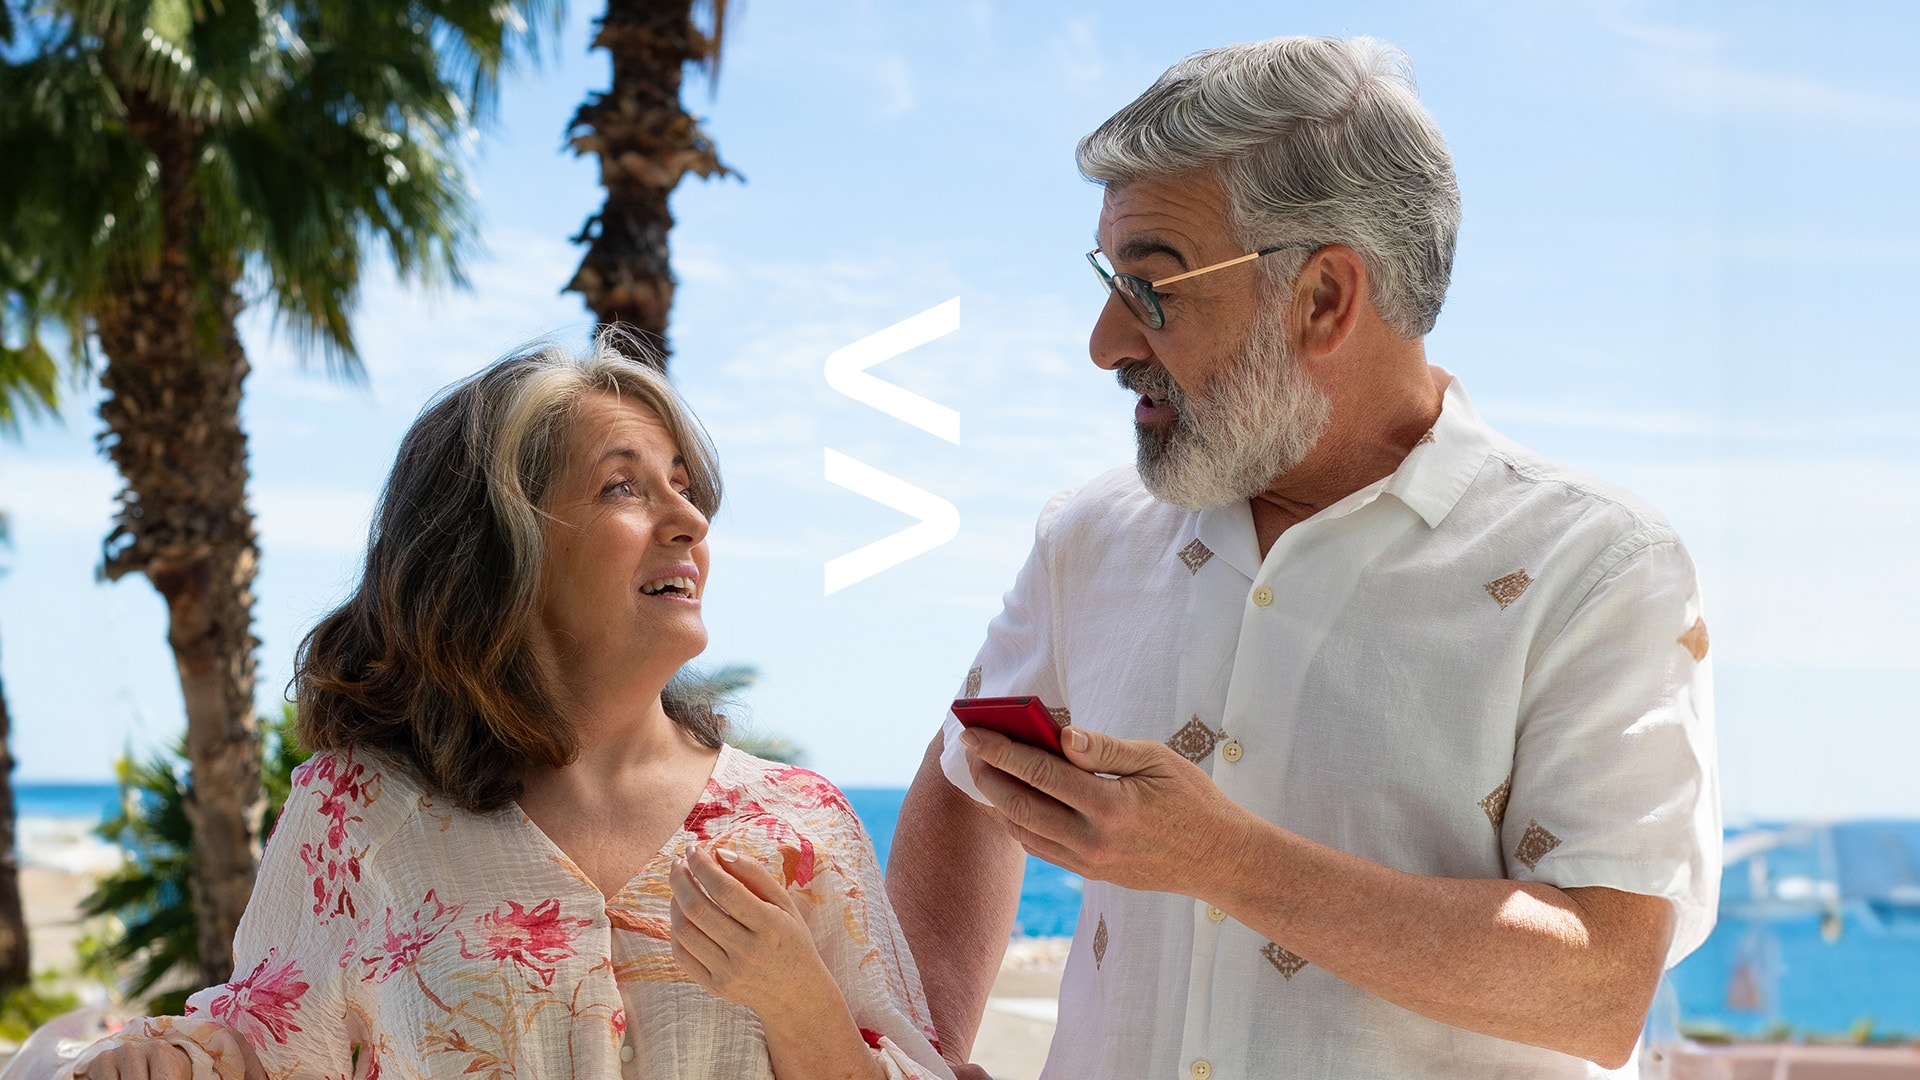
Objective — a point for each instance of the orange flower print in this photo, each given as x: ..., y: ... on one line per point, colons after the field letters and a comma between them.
x: 402, y: 943
x: 536, y: 940
x: 262, y: 1004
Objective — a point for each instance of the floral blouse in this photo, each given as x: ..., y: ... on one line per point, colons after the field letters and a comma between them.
x: 393, y: 935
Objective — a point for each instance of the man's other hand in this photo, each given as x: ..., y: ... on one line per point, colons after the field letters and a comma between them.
x: 1128, y: 811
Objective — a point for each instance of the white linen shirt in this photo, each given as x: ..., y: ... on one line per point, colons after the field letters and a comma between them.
x: 1481, y: 666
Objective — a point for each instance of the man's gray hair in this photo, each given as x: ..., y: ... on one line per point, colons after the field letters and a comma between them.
x: 1319, y: 140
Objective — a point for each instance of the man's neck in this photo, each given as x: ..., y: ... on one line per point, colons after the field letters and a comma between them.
x: 1372, y: 430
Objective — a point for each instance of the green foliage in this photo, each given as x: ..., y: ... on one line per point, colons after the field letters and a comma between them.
x: 26, y: 1008
x: 322, y: 128
x: 151, y: 895
x: 720, y: 690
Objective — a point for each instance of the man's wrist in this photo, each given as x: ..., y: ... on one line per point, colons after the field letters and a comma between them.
x: 1241, y: 861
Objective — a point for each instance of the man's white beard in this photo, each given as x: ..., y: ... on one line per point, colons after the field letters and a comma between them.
x: 1254, y: 422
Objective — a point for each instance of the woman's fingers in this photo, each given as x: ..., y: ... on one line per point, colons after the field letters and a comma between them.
x: 690, y: 963
x: 692, y: 903
x: 726, y: 890
x: 144, y: 1060
x: 698, y: 945
x: 758, y: 880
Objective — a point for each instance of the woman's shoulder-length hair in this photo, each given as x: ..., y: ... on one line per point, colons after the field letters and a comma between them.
x: 429, y: 661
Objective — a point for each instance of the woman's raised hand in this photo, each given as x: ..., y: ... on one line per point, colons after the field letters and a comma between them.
x: 145, y: 1059
x: 740, y: 934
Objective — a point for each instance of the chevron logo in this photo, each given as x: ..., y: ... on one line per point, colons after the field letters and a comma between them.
x: 938, y: 520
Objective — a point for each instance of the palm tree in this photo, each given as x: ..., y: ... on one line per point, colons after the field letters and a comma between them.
x: 646, y: 142
x: 169, y: 160
x: 29, y: 378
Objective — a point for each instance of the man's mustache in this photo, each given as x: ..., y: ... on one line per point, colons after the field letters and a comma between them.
x: 1151, y: 380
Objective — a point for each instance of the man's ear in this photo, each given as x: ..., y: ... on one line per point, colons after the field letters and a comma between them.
x: 1328, y: 297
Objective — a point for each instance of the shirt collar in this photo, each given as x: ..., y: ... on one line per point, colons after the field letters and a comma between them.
x: 1430, y: 481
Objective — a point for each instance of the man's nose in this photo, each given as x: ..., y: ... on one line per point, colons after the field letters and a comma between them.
x: 1118, y: 338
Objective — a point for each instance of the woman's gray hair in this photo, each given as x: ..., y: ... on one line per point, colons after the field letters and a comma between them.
x: 1317, y: 140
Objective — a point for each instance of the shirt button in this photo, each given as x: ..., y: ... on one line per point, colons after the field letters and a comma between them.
x: 626, y: 1053
x: 1201, y: 1070
x: 1262, y: 596
x: 1216, y: 914
x: 1232, y: 751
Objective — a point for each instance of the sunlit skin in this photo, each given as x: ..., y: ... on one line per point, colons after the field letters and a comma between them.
x: 1384, y: 395
x: 1572, y: 970
x: 619, y: 522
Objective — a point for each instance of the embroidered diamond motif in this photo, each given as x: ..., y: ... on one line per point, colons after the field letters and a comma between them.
x: 1288, y: 963
x: 1061, y: 716
x: 1195, y: 555
x: 1425, y: 438
x: 1495, y: 804
x: 973, y: 684
x: 1507, y: 589
x: 1099, y: 943
x: 1195, y: 740
x: 1695, y: 640
x: 1534, y: 845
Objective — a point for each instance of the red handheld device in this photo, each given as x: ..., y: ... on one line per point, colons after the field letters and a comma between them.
x: 1023, y: 719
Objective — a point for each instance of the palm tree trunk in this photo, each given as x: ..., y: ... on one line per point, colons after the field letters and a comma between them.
x: 15, y: 963
x: 172, y: 409
x: 646, y: 142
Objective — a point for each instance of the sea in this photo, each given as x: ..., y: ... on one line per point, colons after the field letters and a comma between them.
x: 1818, y: 936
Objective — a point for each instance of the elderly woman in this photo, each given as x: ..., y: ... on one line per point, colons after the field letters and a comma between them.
x: 517, y: 852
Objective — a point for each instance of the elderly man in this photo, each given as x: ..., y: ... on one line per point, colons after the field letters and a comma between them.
x: 1390, y: 751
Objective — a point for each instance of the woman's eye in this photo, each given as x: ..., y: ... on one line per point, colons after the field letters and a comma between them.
x: 622, y: 487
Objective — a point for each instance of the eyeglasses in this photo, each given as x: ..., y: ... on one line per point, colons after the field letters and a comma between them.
x: 1137, y: 292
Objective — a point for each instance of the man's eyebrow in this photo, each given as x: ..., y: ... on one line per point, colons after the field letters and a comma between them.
x: 1144, y: 247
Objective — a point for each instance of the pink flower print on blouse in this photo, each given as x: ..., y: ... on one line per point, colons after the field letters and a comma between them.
x: 716, y: 805
x: 262, y: 1004
x: 341, y: 785
x: 808, y: 789
x: 536, y: 940
x: 403, y: 943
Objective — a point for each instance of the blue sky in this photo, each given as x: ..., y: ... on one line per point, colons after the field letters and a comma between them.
x: 1687, y: 265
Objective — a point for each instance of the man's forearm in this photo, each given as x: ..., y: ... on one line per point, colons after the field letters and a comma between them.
x: 953, y: 876
x: 1571, y: 970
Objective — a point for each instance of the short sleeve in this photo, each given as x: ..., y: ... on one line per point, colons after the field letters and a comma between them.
x: 1614, y: 779
x: 1019, y: 656
x: 287, y: 996
x: 857, y: 937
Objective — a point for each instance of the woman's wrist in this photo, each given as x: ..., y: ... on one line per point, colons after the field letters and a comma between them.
x: 813, y: 1033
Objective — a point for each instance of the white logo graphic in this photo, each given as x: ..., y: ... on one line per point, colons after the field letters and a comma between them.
x: 939, y: 520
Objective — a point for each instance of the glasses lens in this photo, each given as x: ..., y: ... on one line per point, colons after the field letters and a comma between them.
x: 1137, y: 294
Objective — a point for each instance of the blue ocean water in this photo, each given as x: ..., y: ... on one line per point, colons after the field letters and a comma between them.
x: 1759, y: 968
x: 70, y: 801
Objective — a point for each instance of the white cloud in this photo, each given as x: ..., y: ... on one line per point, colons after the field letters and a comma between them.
x: 69, y: 496
x: 327, y: 520
x: 1076, y: 51
x: 896, y: 86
